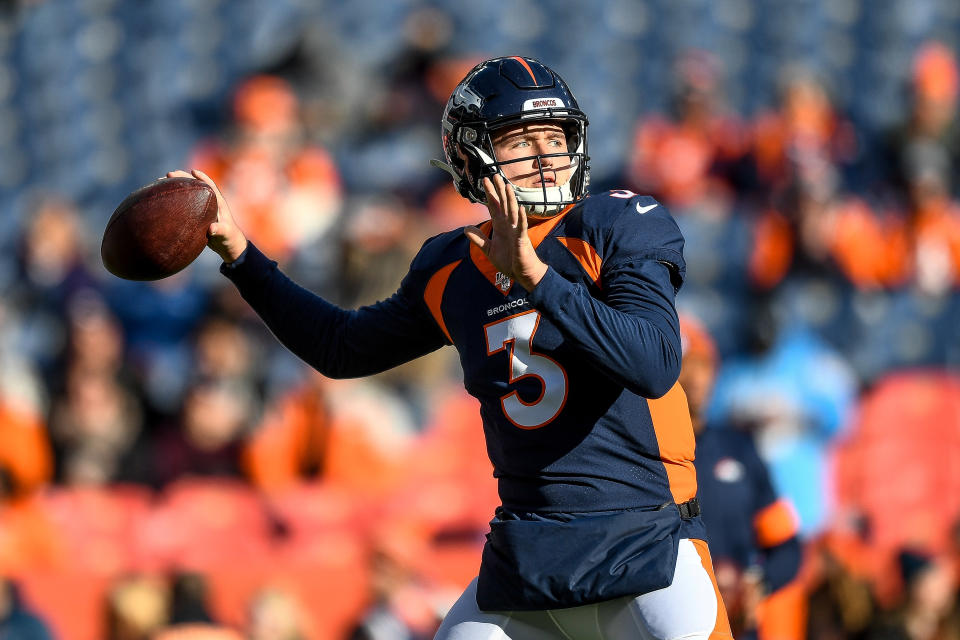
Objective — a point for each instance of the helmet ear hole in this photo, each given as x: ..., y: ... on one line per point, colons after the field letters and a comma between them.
x: 572, y: 132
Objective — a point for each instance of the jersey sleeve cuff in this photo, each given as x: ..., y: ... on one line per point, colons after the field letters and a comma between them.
x: 551, y: 292
x: 250, y: 266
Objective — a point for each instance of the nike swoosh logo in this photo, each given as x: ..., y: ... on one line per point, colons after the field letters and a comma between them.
x: 643, y: 210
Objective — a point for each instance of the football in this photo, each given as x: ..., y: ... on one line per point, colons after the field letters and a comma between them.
x: 158, y: 229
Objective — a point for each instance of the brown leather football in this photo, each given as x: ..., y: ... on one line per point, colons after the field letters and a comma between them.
x: 158, y: 229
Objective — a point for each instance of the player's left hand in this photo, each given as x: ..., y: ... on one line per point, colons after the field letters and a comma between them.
x: 508, y: 248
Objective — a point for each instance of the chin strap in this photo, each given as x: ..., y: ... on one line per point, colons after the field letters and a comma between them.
x: 532, y: 198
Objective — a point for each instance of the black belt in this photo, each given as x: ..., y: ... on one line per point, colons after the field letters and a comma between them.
x: 689, y: 509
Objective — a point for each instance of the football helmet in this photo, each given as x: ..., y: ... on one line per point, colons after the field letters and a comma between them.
x: 506, y: 91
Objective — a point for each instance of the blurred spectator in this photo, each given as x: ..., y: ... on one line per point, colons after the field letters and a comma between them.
x: 351, y: 433
x: 291, y: 442
x: 933, y: 220
x: 405, y: 96
x: 95, y: 419
x: 804, y: 127
x: 196, y: 632
x: 436, y: 521
x: 276, y: 615
x: 53, y: 252
x: 95, y: 427
x: 447, y: 209
x: 930, y: 132
x: 137, y: 607
x: 840, y: 603
x: 17, y: 622
x: 52, y: 261
x: 188, y: 601
x: 206, y: 439
x: 372, y: 434
x: 189, y: 618
x: 753, y: 532
x: 21, y: 384
x: 224, y: 351
x: 718, y: 289
x: 290, y: 191
x: 928, y: 608
x: 95, y: 341
x: 813, y: 229
x: 157, y: 319
x: 696, y: 151
x: 401, y: 607
x: 380, y: 237
x: 794, y: 393
x: 416, y: 90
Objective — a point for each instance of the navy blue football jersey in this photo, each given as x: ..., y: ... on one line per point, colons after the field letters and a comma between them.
x: 576, y: 379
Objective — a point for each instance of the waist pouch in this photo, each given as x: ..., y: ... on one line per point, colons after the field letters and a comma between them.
x: 551, y: 564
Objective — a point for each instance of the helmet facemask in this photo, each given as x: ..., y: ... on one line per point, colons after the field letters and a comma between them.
x: 477, y: 152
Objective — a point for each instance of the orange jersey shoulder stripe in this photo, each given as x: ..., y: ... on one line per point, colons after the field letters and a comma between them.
x: 586, y: 255
x: 775, y: 524
x: 541, y: 230
x: 674, y: 430
x: 433, y: 294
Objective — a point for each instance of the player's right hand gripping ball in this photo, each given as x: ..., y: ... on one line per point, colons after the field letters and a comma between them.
x: 158, y: 229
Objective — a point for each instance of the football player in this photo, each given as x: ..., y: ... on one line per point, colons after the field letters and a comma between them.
x: 561, y: 307
x: 755, y: 539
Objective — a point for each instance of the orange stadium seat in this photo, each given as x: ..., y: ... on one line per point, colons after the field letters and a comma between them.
x: 71, y: 600
x: 309, y: 508
x: 30, y: 539
x: 328, y: 574
x: 451, y: 563
x: 99, y: 526
x: 207, y: 522
x: 435, y: 521
x: 900, y: 466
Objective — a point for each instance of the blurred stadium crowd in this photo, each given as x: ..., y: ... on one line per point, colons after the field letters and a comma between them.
x: 167, y: 470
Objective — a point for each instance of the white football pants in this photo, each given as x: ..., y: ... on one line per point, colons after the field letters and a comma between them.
x: 690, y: 608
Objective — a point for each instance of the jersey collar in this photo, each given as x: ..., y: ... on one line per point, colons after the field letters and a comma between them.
x: 537, y: 233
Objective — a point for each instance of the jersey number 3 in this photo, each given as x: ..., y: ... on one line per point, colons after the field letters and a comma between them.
x: 515, y: 334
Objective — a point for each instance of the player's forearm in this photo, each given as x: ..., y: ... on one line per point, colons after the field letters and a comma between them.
x: 638, y: 346
x: 781, y: 563
x: 323, y: 335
